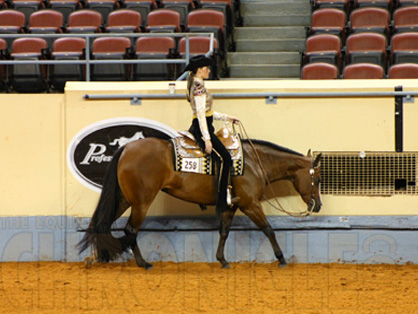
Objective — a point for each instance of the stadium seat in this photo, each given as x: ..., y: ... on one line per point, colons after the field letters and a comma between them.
x: 319, y: 71
x: 224, y: 6
x: 183, y: 7
x: 46, y: 22
x: 67, y: 48
x: 404, y: 48
x: 104, y: 7
x: 144, y: 7
x: 154, y: 48
x: 362, y: 71
x: 406, y: 19
x: 201, y: 45
x: 163, y: 21
x: 323, y: 48
x: 84, y: 21
x: 404, y: 71
x: 124, y: 21
x: 209, y: 21
x: 110, y: 48
x: 65, y: 7
x: 370, y: 19
x: 11, y: 22
x: 28, y: 7
x: 366, y: 48
x: 28, y: 78
x: 329, y: 21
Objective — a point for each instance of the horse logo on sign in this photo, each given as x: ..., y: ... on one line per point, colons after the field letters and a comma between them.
x: 92, y: 148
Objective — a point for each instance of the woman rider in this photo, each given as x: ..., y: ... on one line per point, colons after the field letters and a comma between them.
x: 202, y: 125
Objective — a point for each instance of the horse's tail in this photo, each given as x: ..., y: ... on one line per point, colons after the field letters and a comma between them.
x: 98, y: 233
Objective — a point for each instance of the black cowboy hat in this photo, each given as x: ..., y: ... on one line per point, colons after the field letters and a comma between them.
x: 198, y: 61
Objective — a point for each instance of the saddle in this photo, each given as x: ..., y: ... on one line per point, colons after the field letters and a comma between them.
x: 188, y: 156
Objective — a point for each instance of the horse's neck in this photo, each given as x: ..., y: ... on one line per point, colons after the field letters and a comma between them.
x: 279, y: 165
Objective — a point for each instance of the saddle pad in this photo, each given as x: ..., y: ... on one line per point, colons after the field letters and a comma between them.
x: 189, y: 158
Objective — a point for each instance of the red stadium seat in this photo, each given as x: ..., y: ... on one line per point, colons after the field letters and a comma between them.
x: 330, y: 21
x: 154, y: 48
x: 363, y: 71
x: 404, y: 48
x: 110, y: 48
x: 207, y: 20
x: 164, y: 21
x: 319, y: 71
x: 46, y: 22
x: 366, y: 48
x: 11, y: 22
x: 404, y: 71
x: 183, y: 7
x: 324, y: 48
x: 28, y: 7
x: 104, y: 7
x: 124, y: 21
x: 66, y: 7
x: 67, y: 48
x: 84, y: 21
x: 224, y: 6
x: 144, y: 7
x: 374, y: 20
x: 28, y: 78
x: 406, y: 19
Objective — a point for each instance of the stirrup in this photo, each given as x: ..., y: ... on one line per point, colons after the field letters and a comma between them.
x: 231, y: 201
x: 228, y: 195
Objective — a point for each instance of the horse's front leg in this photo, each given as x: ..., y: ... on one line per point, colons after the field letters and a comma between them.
x: 256, y: 214
x: 225, y: 224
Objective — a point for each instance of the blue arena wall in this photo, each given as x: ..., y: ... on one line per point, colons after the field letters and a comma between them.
x: 320, y: 239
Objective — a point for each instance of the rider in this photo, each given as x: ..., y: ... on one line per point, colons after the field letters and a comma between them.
x: 203, y: 115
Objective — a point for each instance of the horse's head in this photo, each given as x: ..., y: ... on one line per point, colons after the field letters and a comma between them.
x: 307, y: 182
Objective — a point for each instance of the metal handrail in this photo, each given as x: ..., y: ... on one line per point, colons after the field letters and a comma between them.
x: 88, y: 61
x: 267, y: 95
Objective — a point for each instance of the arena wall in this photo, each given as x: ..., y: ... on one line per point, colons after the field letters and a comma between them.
x: 43, y: 206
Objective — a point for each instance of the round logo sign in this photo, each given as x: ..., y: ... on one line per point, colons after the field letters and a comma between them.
x: 92, y: 148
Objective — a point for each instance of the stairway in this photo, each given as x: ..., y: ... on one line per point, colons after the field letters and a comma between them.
x: 270, y: 42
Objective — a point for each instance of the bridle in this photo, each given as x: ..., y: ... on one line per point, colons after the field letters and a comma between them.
x: 279, y: 207
x: 313, y: 183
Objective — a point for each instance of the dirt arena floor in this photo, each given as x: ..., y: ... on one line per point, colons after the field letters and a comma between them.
x: 172, y: 288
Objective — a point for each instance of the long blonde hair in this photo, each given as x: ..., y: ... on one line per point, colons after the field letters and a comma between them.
x: 189, y: 84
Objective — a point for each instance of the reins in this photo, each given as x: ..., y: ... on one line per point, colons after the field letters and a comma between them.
x: 279, y: 207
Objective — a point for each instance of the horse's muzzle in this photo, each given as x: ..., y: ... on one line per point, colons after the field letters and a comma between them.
x: 314, y: 206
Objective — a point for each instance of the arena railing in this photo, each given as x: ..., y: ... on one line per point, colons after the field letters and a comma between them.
x: 400, y: 97
x: 88, y: 61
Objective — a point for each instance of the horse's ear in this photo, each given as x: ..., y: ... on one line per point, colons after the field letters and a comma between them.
x: 317, y: 160
x: 309, y: 154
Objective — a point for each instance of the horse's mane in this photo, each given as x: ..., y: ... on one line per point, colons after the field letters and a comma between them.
x: 273, y: 146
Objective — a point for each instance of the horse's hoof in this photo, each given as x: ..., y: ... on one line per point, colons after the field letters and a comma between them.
x: 148, y: 266
x: 226, y: 265
x: 88, y: 262
x: 282, y: 264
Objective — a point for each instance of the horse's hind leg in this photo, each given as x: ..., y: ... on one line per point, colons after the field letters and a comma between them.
x: 256, y: 214
x: 131, y: 230
x: 226, y: 220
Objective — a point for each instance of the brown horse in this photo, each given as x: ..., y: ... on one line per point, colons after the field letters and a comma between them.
x: 139, y: 170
